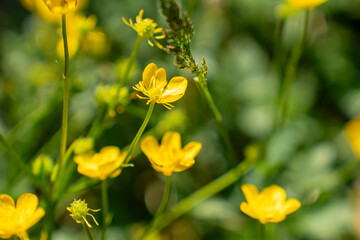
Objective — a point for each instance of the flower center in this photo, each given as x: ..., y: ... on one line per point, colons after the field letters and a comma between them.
x: 155, y: 94
x: 146, y: 28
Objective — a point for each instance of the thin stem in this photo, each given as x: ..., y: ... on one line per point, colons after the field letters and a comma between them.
x: 88, y: 233
x: 262, y: 231
x: 64, y: 128
x: 105, y: 206
x: 166, y: 197
x: 232, y: 156
x: 200, y: 195
x: 140, y: 132
x: 290, y: 75
x: 130, y: 63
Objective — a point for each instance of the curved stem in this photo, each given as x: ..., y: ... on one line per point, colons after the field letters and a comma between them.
x: 105, y: 206
x: 88, y: 233
x: 140, y: 132
x: 290, y: 75
x: 166, y: 197
x: 65, y: 96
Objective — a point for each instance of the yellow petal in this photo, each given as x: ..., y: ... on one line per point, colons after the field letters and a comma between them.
x: 192, y: 149
x: 148, y: 73
x: 82, y: 159
x: 174, y: 90
x: 106, y: 169
x: 184, y: 165
x: 275, y: 194
x: 6, y: 201
x: 35, y: 217
x: 245, y: 208
x: 250, y: 192
x: 290, y: 206
x: 109, y: 153
x: 150, y: 146
x: 160, y: 78
x: 171, y: 140
x: 89, y: 170
x: 26, y: 204
x: 306, y: 3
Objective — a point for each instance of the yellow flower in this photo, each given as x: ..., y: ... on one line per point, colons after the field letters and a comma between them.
x: 101, y: 165
x: 17, y: 220
x: 352, y: 131
x: 61, y: 6
x: 153, y: 86
x: 268, y: 206
x: 309, y: 4
x: 79, y: 211
x: 169, y: 157
x: 146, y: 28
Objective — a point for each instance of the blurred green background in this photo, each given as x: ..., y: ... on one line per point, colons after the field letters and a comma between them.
x: 309, y: 156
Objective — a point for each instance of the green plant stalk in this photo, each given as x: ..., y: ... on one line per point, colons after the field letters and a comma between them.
x: 105, y: 206
x: 204, y: 91
x: 262, y: 231
x: 290, y: 71
x: 139, y: 133
x: 64, y: 128
x: 200, y: 195
x: 88, y: 233
x: 130, y: 63
x: 166, y: 197
x: 21, y: 164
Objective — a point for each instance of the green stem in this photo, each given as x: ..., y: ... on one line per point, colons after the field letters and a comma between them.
x: 130, y: 63
x: 139, y: 133
x: 20, y: 163
x: 64, y: 128
x: 262, y: 231
x: 166, y: 197
x: 88, y: 233
x: 200, y: 195
x: 290, y: 75
x: 105, y: 206
x: 232, y: 156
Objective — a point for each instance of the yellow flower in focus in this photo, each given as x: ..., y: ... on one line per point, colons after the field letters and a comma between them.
x: 146, y: 28
x: 79, y: 211
x: 61, y: 6
x: 16, y: 220
x: 352, y: 132
x: 169, y: 157
x: 268, y: 206
x: 309, y: 4
x: 153, y: 86
x: 101, y: 165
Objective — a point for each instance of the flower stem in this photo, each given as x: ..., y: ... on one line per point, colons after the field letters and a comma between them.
x: 200, y: 195
x: 166, y: 197
x: 88, y: 233
x: 290, y: 71
x: 139, y: 133
x: 232, y: 156
x: 262, y: 231
x: 105, y: 206
x: 64, y: 128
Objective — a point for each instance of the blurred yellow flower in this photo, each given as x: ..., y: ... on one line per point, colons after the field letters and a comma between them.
x: 309, y: 4
x: 146, y: 28
x: 169, y: 157
x: 268, y: 206
x: 153, y: 86
x: 61, y: 6
x: 79, y: 211
x: 101, y: 165
x: 352, y: 132
x: 17, y: 220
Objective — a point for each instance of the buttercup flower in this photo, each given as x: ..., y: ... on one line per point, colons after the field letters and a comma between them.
x: 352, y: 132
x: 153, y: 86
x: 146, y: 28
x: 61, y: 6
x: 16, y: 220
x: 101, y: 165
x: 268, y: 206
x: 79, y: 211
x: 169, y: 157
x: 306, y: 3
